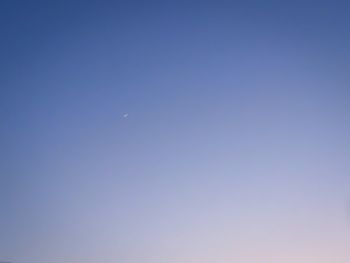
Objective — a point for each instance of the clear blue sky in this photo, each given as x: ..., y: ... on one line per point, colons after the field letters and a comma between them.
x: 235, y: 147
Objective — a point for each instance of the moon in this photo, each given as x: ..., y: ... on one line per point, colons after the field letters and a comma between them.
x: 125, y: 115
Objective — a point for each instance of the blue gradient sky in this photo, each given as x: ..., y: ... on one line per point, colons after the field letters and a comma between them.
x: 236, y: 147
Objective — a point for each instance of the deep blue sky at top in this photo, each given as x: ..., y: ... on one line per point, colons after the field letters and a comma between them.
x: 126, y: 40
x: 135, y: 36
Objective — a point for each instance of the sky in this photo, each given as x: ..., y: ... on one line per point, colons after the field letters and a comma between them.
x: 174, y: 131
